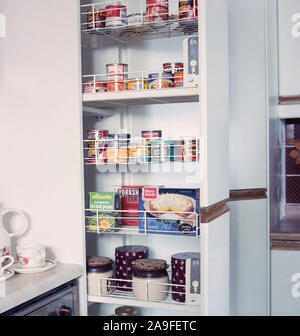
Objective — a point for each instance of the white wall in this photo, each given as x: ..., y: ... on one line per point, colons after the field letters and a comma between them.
x: 289, y: 46
x: 40, y: 122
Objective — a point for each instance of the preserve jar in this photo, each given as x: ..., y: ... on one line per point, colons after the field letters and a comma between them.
x: 150, y: 279
x: 100, y: 271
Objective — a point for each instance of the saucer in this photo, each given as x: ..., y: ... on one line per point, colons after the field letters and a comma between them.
x: 25, y: 270
x: 8, y: 273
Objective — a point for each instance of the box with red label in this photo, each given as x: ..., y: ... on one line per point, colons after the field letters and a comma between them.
x: 130, y: 201
x: 170, y: 211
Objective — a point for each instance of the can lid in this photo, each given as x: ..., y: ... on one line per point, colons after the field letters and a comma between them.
x: 186, y: 255
x: 126, y: 311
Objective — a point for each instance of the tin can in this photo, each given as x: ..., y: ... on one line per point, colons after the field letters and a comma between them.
x: 96, y: 19
x: 147, y: 143
x: 188, y: 10
x: 190, y: 150
x: 136, y: 152
x: 134, y: 19
x: 157, y: 10
x: 178, y: 79
x: 160, y: 80
x: 123, y: 141
x: 97, y: 145
x: 137, y: 84
x: 112, y: 148
x: 173, y: 67
x: 116, y: 72
x: 162, y: 151
x: 88, y: 87
x: 116, y: 16
x: 116, y: 86
x: 178, y: 150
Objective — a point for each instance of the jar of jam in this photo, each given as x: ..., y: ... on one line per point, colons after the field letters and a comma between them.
x: 99, y: 271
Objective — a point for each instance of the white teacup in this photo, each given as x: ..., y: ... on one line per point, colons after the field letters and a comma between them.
x: 31, y: 256
x: 2, y: 260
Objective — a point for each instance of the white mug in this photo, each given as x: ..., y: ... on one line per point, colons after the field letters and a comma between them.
x: 31, y: 256
x: 4, y: 258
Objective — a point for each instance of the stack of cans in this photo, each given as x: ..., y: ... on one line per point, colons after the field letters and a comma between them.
x: 125, y: 257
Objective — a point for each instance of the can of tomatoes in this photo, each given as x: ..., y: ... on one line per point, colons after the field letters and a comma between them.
x: 116, y: 16
x: 157, y: 10
x: 116, y: 75
x: 90, y: 87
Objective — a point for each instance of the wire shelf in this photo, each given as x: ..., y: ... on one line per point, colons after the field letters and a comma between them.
x: 179, y: 223
x: 139, y: 24
x: 144, y: 291
x: 141, y: 151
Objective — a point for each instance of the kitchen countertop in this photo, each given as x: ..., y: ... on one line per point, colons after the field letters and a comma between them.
x: 23, y: 287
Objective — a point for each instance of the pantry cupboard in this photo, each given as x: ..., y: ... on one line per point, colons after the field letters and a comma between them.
x: 45, y: 119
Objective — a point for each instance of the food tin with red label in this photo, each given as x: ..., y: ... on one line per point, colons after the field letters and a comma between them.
x: 116, y: 16
x: 130, y: 201
x: 173, y: 67
x: 157, y: 10
x: 116, y: 86
x: 88, y: 87
x: 178, y: 79
x: 116, y: 75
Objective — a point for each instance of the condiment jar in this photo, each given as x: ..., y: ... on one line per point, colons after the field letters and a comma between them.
x: 126, y: 311
x: 150, y: 279
x: 100, y: 270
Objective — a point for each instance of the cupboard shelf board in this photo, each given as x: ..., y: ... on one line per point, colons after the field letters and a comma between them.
x: 291, y: 111
x: 166, y: 305
x: 142, y: 97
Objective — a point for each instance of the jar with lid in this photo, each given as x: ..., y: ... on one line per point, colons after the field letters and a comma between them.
x: 100, y: 271
x: 126, y: 311
x: 150, y: 279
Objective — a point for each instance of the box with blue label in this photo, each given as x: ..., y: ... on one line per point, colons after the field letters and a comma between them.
x: 169, y: 211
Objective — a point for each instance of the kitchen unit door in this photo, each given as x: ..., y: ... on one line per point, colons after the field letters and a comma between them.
x: 194, y: 114
x: 40, y: 128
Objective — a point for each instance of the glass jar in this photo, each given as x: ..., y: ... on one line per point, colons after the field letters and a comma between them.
x: 100, y: 270
x: 150, y: 279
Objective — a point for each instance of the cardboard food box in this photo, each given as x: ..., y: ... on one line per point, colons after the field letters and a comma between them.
x: 130, y: 201
x: 106, y: 203
x: 169, y: 211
